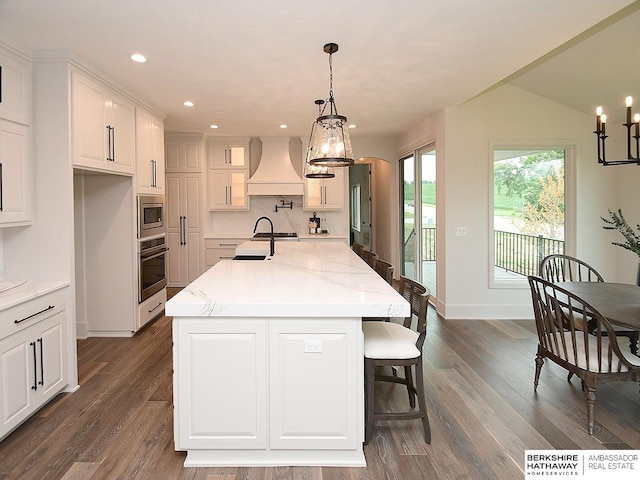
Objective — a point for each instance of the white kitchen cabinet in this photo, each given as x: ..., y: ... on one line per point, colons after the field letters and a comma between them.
x: 15, y: 174
x: 33, y: 360
x: 15, y: 88
x: 305, y: 413
x: 217, y: 249
x: 184, y: 228
x: 103, y: 128
x: 227, y: 173
x: 230, y: 412
x: 150, y: 161
x: 227, y: 190
x: 228, y: 153
x: 183, y: 152
x: 323, y: 194
x: 151, y: 308
x: 286, y: 391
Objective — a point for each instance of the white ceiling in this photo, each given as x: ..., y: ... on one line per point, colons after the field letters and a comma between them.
x: 252, y: 65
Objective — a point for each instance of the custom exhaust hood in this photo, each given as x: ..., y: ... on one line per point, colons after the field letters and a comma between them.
x: 275, y: 174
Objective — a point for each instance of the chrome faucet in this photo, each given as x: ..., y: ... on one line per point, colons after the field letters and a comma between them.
x: 272, y: 242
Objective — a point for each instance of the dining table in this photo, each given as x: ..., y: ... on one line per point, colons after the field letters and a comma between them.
x: 619, y: 303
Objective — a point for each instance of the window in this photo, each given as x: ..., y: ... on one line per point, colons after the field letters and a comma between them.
x: 528, y: 211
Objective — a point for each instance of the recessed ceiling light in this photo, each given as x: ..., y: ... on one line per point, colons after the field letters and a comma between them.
x: 283, y: 126
x: 352, y: 126
x: 188, y: 104
x: 213, y: 126
x: 138, y: 57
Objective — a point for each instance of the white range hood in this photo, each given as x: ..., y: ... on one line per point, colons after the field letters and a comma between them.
x: 275, y: 174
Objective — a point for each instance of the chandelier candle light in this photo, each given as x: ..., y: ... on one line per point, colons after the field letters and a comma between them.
x: 600, y: 132
x: 330, y: 144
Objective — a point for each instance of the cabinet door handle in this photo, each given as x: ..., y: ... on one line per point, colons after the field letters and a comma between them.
x: 1, y: 190
x: 108, y: 143
x: 184, y: 230
x: 230, y: 196
x: 35, y: 367
x: 113, y: 144
x: 34, y: 314
x: 0, y: 83
x: 41, y: 382
x: 153, y: 173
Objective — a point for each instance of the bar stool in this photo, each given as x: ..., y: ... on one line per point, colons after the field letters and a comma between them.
x: 398, y: 345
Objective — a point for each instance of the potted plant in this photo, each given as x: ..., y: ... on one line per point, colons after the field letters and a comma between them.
x: 616, y: 221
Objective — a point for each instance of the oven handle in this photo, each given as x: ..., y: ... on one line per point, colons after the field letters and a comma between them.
x: 154, y: 254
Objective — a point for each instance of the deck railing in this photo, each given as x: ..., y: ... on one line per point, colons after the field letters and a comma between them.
x: 515, y: 252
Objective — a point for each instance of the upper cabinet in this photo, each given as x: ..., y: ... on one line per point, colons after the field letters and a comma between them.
x: 150, y: 161
x: 322, y: 194
x: 228, y: 153
x: 183, y: 152
x: 228, y: 172
x: 103, y: 128
x: 15, y: 174
x: 15, y: 89
x: 15, y: 140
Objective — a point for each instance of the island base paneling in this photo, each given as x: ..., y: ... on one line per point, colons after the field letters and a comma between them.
x: 269, y: 391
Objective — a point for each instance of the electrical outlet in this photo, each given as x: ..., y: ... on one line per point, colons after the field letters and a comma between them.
x: 313, y: 346
x: 461, y: 231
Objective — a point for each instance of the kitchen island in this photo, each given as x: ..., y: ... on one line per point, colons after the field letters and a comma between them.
x: 268, y: 358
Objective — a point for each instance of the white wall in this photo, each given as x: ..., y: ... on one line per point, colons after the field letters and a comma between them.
x: 510, y: 115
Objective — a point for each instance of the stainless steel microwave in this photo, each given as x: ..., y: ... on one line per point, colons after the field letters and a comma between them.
x: 151, y: 213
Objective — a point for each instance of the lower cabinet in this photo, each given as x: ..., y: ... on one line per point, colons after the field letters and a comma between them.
x: 279, y: 390
x: 217, y: 249
x: 32, y: 361
x: 151, y: 308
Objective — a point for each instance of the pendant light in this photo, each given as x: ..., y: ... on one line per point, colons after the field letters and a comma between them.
x: 316, y: 171
x: 330, y: 145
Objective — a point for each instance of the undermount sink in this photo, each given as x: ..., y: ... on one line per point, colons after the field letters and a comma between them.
x: 249, y: 257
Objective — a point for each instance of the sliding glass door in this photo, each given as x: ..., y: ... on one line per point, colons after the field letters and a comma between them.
x: 418, y: 216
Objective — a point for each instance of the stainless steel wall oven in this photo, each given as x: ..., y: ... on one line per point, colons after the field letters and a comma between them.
x: 152, y: 269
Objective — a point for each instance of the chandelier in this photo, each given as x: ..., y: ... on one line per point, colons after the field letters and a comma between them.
x: 601, y: 135
x: 330, y: 145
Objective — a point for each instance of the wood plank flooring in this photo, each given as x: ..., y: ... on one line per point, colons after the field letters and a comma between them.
x: 482, y: 408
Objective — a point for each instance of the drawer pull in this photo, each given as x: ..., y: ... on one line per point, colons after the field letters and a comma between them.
x: 159, y: 304
x: 34, y: 314
x: 228, y: 244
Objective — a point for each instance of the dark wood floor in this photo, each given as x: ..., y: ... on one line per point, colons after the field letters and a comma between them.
x: 479, y: 380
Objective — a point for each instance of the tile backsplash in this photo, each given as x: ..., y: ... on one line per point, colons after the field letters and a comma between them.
x: 284, y: 220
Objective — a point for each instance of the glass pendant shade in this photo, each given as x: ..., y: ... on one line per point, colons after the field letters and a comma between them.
x: 330, y: 143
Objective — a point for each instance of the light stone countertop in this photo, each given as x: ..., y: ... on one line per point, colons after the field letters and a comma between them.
x: 24, y: 291
x: 302, y: 279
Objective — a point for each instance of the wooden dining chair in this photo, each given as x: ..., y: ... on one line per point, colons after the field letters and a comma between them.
x: 398, y: 345
x: 593, y: 357
x: 564, y: 268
